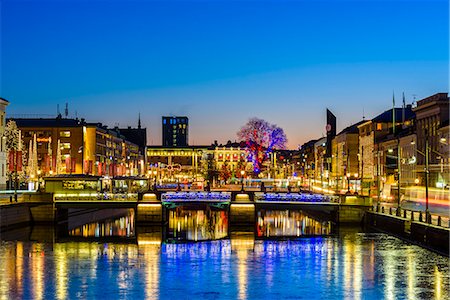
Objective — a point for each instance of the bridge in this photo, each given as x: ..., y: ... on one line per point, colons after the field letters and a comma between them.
x: 153, y: 207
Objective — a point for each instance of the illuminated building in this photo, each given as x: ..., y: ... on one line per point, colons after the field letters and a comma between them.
x: 175, y: 131
x: 84, y: 148
x: 172, y: 164
x: 232, y: 156
x: 3, y: 104
x: 345, y: 163
x: 444, y: 137
x: 371, y: 133
x: 320, y: 148
x: 307, y: 162
x: 432, y: 113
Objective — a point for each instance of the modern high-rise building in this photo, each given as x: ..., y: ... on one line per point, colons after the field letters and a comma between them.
x: 175, y: 131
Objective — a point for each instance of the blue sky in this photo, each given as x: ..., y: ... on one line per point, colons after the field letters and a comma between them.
x: 222, y: 62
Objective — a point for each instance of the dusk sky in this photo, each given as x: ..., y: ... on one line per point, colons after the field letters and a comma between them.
x: 222, y: 62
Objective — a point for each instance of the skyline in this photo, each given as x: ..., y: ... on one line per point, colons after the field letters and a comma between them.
x: 284, y: 62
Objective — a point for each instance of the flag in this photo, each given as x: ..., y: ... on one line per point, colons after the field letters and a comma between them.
x: 68, y: 165
x: 19, y: 161
x: 11, y: 161
x: 73, y: 162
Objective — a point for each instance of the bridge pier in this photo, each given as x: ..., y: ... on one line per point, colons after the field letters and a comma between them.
x: 242, y: 213
x: 152, y: 213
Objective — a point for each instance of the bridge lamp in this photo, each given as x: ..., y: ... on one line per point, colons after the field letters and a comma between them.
x: 242, y: 179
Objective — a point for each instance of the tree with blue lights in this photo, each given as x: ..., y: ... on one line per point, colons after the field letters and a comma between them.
x: 261, y: 139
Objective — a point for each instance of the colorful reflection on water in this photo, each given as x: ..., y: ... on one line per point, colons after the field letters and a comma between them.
x: 289, y: 223
x: 197, y: 225
x: 114, y: 227
x: 351, y: 265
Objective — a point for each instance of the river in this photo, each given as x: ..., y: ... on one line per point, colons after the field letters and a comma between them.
x: 112, y: 259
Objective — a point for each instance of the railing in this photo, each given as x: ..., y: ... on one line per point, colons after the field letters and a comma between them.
x: 414, y: 215
x: 295, y: 197
x: 196, y: 196
x: 73, y: 197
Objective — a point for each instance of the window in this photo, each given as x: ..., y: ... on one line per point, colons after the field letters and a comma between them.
x: 64, y: 133
x: 164, y: 121
x: 65, y: 145
x: 379, y: 126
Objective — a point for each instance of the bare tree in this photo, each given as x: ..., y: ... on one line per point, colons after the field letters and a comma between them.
x: 261, y: 138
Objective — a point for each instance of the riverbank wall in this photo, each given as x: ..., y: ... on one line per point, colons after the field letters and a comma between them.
x: 433, y: 237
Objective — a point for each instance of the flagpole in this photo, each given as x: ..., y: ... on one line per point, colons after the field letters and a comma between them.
x: 393, y: 113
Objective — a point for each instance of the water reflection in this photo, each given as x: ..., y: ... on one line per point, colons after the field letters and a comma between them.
x: 289, y: 223
x: 151, y: 254
x: 61, y: 269
x: 242, y: 243
x: 118, y: 227
x: 349, y: 265
x: 197, y: 225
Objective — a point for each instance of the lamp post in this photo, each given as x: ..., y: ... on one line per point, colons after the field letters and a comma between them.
x: 16, y: 161
x: 242, y: 179
x: 154, y: 177
x: 427, y: 171
x: 399, y: 166
x: 378, y: 179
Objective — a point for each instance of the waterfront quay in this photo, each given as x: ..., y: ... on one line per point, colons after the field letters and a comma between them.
x: 224, y: 243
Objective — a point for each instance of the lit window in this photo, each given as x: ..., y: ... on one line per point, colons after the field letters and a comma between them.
x: 64, y: 133
x: 379, y: 126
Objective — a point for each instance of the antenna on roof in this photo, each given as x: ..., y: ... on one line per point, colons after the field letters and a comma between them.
x: 66, y: 111
x: 139, y: 121
x: 403, y: 110
x: 57, y: 110
x: 364, y: 117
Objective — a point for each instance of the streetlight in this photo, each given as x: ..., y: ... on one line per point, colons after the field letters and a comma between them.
x: 427, y: 171
x: 242, y: 179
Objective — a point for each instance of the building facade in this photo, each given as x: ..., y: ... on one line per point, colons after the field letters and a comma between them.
x: 175, y: 164
x: 345, y: 160
x: 307, y: 163
x: 175, y: 131
x: 3, y: 104
x: 72, y: 146
x: 431, y: 113
x: 372, y: 135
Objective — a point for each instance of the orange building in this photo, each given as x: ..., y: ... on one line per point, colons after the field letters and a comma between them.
x: 72, y: 146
